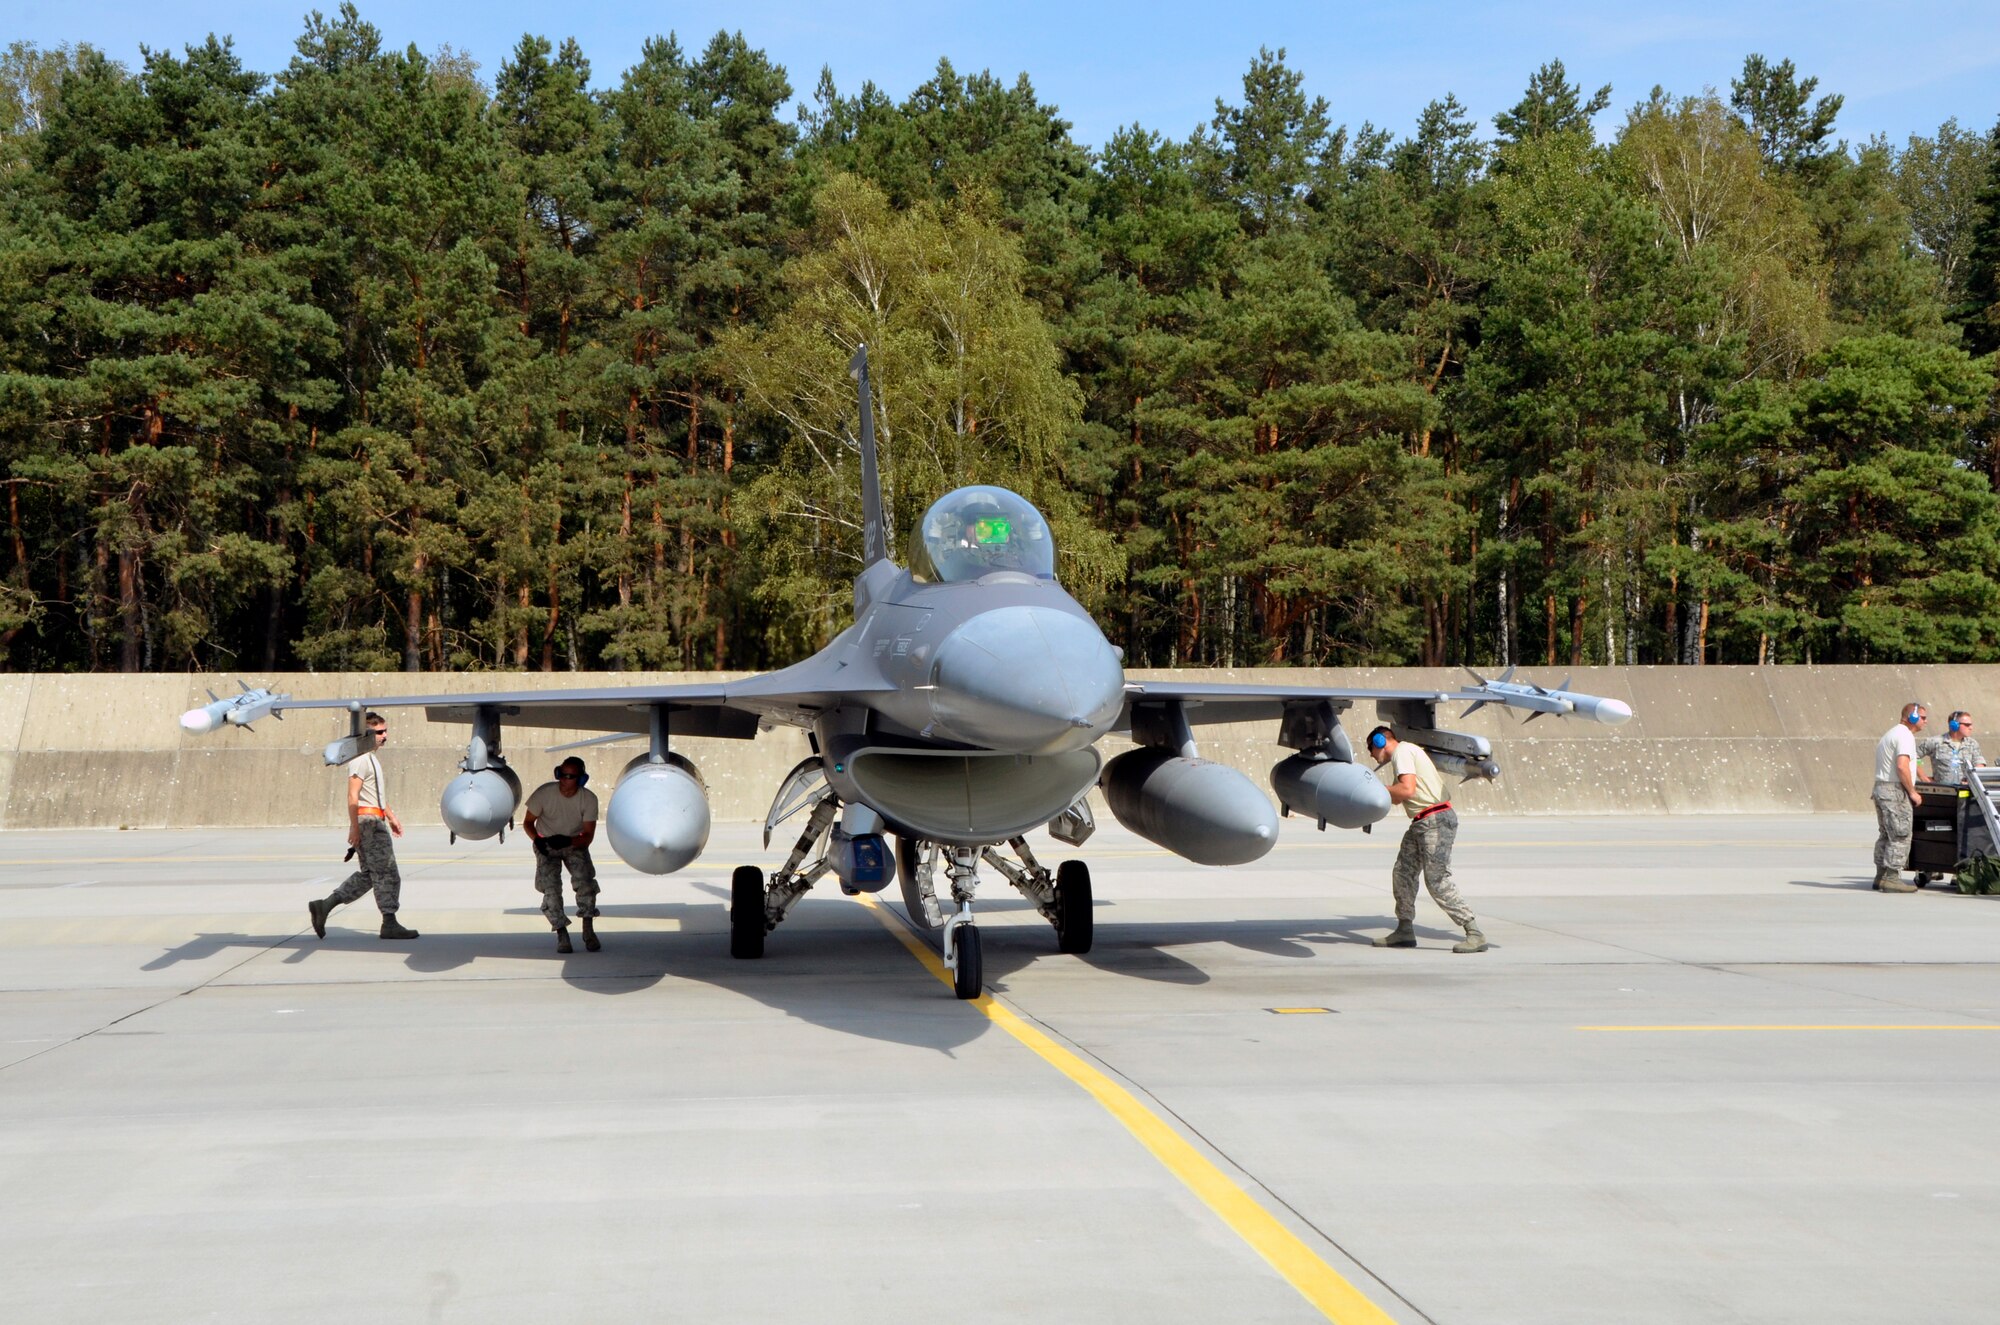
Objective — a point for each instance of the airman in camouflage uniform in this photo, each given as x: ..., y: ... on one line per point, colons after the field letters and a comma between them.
x: 561, y: 820
x: 371, y: 824
x: 1427, y: 843
x: 1954, y: 755
x: 1895, y: 797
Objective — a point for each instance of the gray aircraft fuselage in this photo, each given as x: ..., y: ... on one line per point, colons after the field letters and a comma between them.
x: 962, y: 711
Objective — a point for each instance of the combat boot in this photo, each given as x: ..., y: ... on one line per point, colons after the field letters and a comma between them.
x: 319, y: 909
x: 393, y: 928
x: 1474, y: 941
x: 1402, y: 936
x: 590, y: 942
x: 1892, y: 881
x: 562, y: 940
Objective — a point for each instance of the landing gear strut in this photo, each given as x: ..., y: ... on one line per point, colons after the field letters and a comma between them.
x: 961, y: 936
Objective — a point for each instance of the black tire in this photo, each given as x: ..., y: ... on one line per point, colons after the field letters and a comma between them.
x: 909, y: 851
x: 1075, y: 928
x: 968, y: 977
x: 1924, y: 880
x: 746, y: 912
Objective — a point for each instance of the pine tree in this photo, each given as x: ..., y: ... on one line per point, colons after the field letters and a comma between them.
x: 1551, y: 106
x: 1978, y: 310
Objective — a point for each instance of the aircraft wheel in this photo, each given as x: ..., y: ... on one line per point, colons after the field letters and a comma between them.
x: 746, y: 912
x: 1074, y: 925
x: 967, y: 978
x: 909, y: 854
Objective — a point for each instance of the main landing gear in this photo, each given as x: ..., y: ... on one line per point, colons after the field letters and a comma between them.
x: 1064, y: 900
x: 756, y: 907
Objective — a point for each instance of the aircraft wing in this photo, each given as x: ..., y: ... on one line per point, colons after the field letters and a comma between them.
x: 1208, y: 702
x: 734, y: 709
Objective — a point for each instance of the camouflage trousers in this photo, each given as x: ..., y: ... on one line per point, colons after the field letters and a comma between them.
x: 377, y: 853
x: 1426, y: 850
x: 1894, y: 823
x: 582, y: 877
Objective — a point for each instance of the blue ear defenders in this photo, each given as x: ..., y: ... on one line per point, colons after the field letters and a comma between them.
x: 1377, y: 741
x: 1910, y: 719
x: 1953, y: 724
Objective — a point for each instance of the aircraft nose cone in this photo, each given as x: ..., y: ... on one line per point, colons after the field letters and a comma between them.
x: 1031, y: 680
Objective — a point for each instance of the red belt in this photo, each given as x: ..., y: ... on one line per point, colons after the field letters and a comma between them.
x: 1439, y: 808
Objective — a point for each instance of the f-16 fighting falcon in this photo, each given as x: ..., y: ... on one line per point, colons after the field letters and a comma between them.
x: 963, y: 709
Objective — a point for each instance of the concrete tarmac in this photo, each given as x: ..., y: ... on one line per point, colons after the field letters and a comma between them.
x: 1704, y: 1073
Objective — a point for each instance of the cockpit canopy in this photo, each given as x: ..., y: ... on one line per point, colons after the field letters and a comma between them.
x: 975, y: 531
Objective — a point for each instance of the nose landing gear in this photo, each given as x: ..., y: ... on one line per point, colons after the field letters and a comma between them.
x: 1063, y: 900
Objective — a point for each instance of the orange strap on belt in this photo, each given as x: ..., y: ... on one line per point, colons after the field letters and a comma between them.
x: 1439, y: 808
x: 375, y: 811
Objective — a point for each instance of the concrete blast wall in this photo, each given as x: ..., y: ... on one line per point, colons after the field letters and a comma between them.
x: 106, y: 751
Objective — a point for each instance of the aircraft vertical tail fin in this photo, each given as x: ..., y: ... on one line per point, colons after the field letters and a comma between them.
x: 875, y: 544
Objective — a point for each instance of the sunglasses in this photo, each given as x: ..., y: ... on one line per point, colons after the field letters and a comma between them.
x: 565, y: 777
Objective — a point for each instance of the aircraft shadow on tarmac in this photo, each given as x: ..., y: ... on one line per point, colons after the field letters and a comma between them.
x: 831, y: 965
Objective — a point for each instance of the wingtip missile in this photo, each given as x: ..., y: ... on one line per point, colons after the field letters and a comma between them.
x: 1559, y: 700
x: 239, y: 710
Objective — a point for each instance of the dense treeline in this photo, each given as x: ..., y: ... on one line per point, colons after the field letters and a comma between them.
x: 373, y: 364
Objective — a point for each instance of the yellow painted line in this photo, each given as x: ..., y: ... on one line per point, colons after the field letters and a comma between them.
x: 1296, y: 1012
x: 1827, y: 1026
x: 1318, y: 1282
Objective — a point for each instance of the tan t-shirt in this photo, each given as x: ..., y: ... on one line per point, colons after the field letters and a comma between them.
x: 1430, y: 784
x: 559, y: 815
x: 374, y: 792
x: 1898, y: 742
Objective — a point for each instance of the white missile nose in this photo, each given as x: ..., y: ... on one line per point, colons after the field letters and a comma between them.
x: 1613, y: 711
x: 198, y: 721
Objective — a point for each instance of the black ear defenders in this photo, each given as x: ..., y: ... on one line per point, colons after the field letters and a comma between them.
x: 582, y: 778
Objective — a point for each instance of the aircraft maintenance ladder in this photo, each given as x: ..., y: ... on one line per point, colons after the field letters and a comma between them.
x: 1982, y: 838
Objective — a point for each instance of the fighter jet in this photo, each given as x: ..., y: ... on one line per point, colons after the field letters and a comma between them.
x: 964, y: 708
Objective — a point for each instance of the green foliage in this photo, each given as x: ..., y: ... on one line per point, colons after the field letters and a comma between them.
x: 374, y: 363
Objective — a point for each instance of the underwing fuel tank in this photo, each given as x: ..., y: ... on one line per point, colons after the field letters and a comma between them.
x: 1208, y: 813
x: 1330, y: 790
x: 477, y: 805
x: 658, y: 820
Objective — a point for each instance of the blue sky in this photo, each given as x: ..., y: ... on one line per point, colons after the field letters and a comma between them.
x: 1904, y: 68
